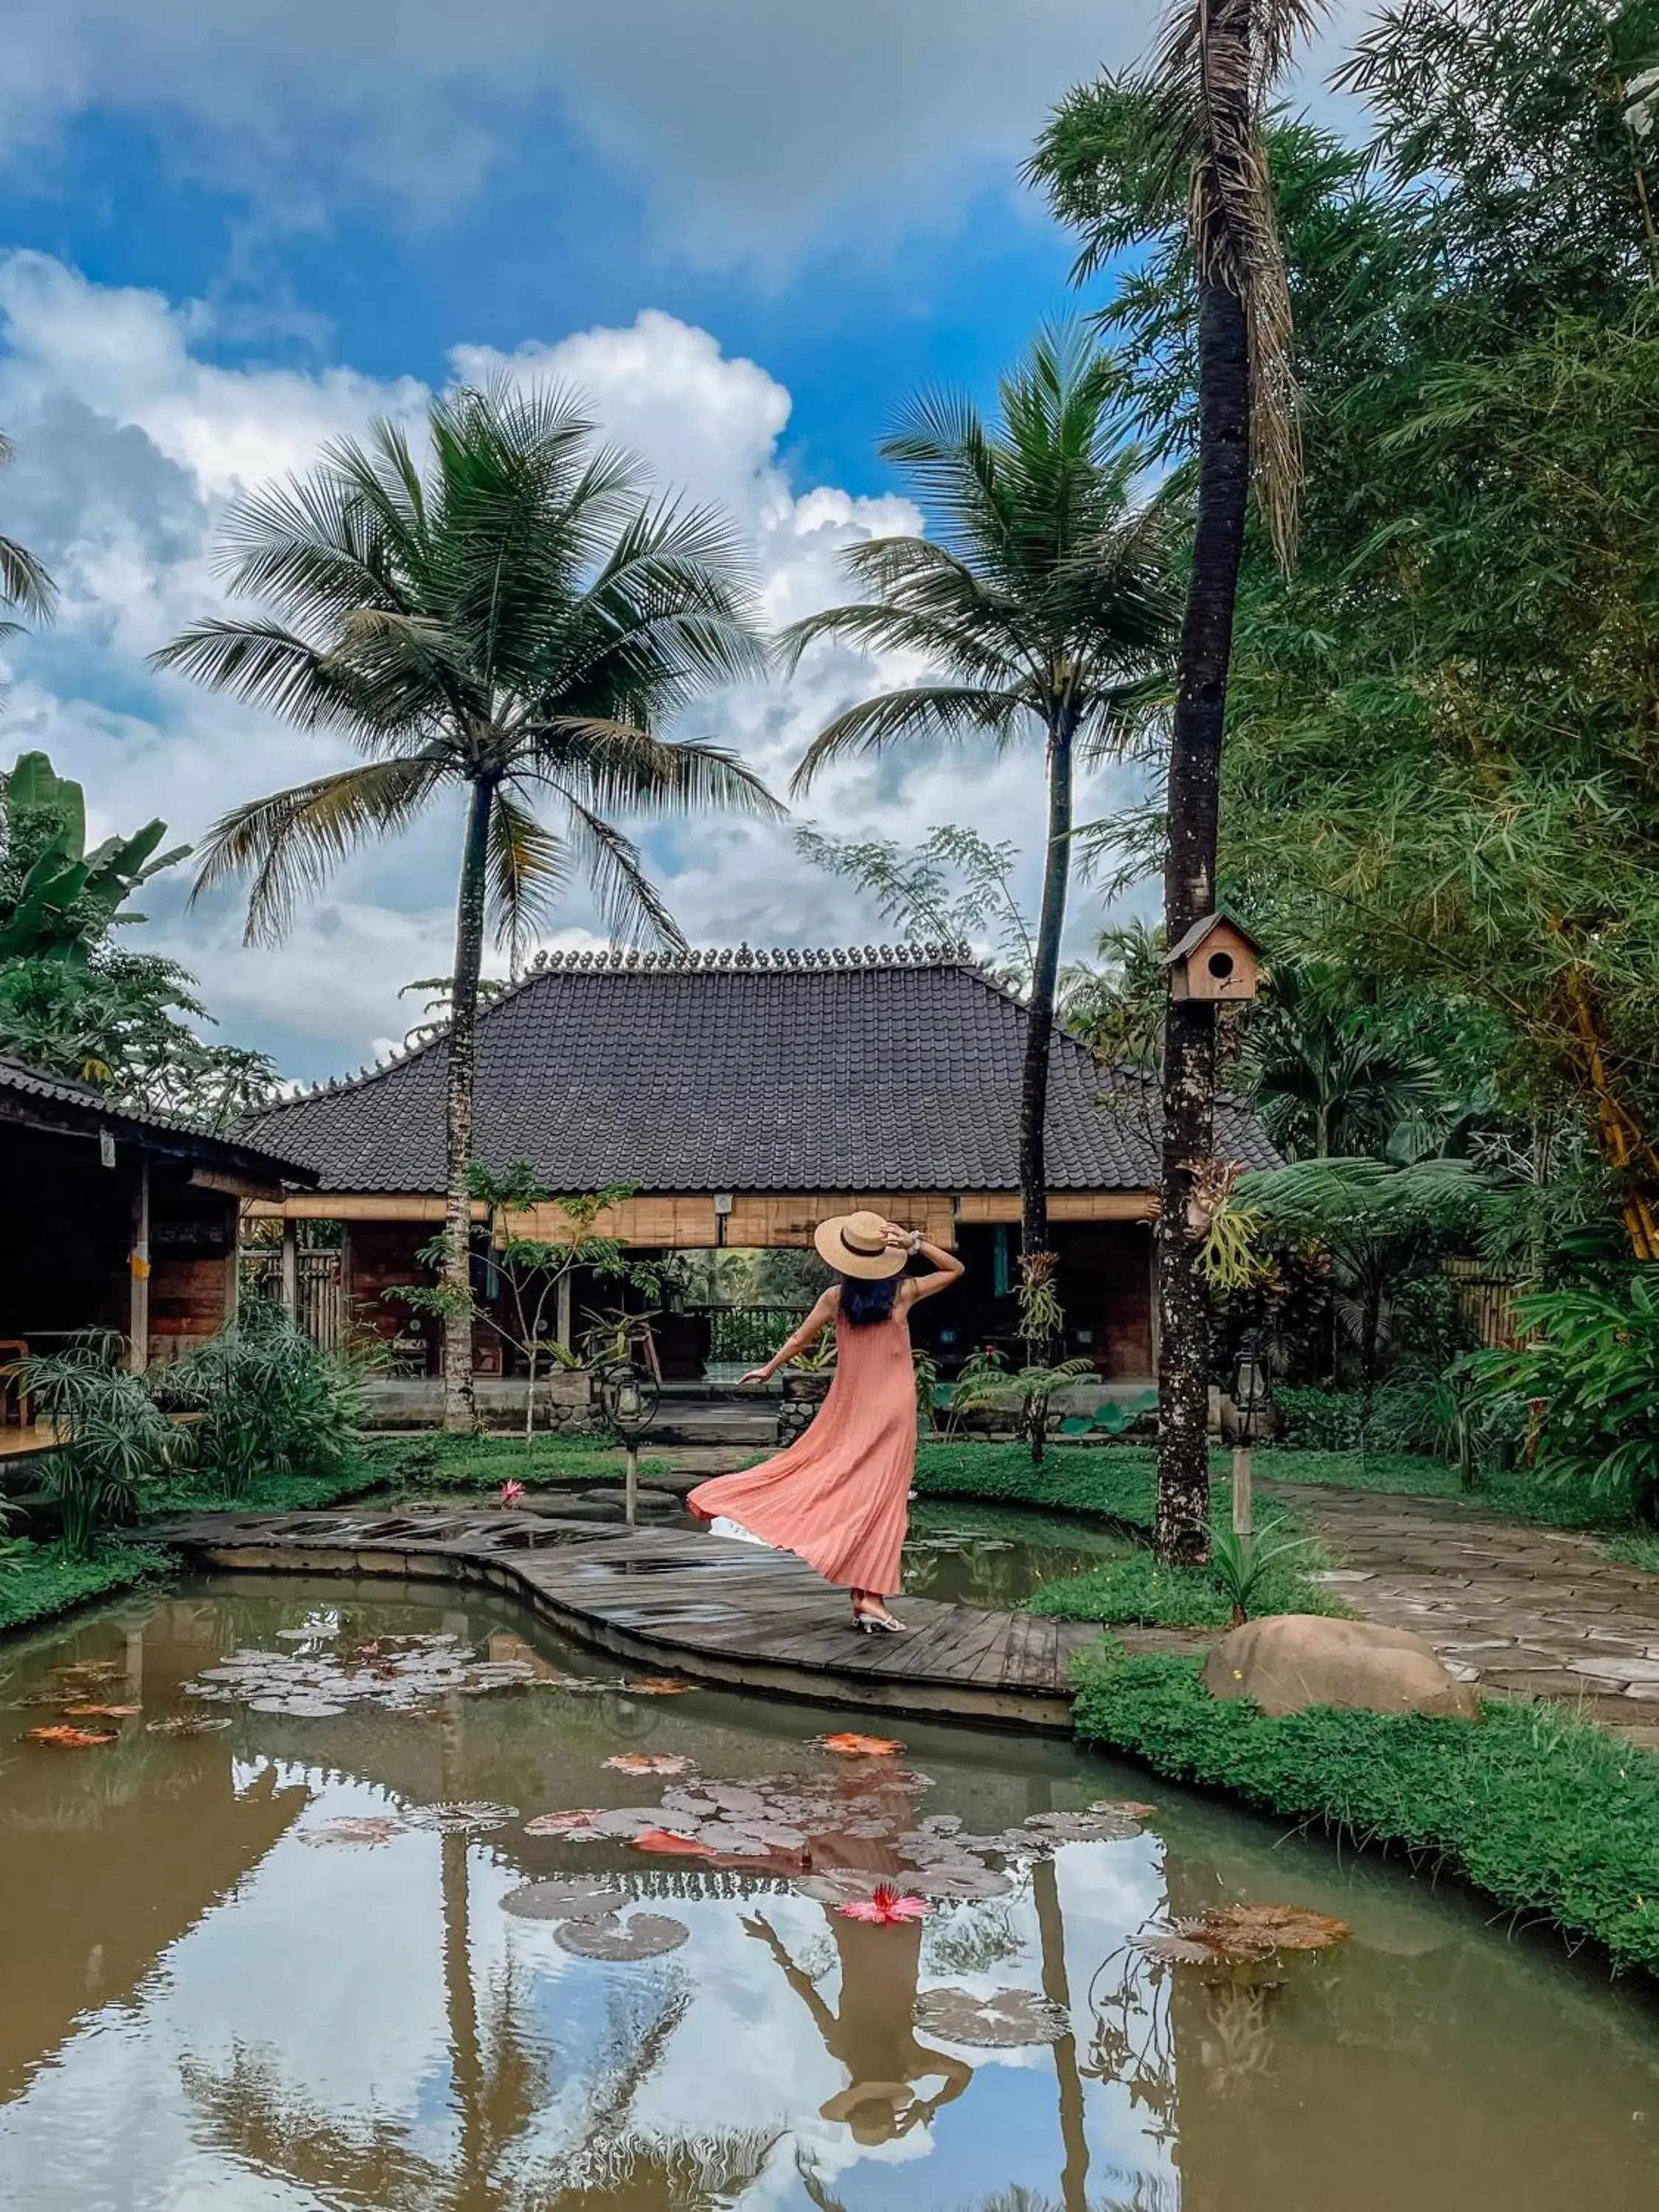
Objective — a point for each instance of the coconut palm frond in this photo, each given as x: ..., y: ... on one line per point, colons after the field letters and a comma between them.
x: 25, y: 582
x: 292, y: 842
x: 615, y: 767
x: 948, y: 711
x: 530, y: 870
x: 629, y: 903
x: 1217, y: 63
x: 271, y: 667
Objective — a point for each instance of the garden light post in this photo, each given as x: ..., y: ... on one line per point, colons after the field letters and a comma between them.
x: 628, y: 1398
x: 1250, y: 1395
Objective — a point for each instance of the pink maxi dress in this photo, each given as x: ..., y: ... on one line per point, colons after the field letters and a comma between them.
x: 839, y: 1496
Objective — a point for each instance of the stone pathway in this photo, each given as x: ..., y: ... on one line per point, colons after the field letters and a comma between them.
x: 1530, y: 1611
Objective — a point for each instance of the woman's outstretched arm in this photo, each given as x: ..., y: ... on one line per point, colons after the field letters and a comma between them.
x: 947, y: 1269
x: 814, y: 1326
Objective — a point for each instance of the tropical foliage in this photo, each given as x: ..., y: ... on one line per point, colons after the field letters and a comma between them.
x: 508, y: 620
x: 72, y: 1001
x: 256, y: 1403
x: 1588, y: 1370
x: 1043, y: 605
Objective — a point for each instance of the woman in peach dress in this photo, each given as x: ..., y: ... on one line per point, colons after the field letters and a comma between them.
x: 839, y: 1496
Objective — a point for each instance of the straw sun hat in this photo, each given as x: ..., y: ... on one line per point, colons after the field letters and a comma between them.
x: 856, y: 1244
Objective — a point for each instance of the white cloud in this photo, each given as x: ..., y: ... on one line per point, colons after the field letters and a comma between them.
x: 745, y: 125
x: 130, y: 447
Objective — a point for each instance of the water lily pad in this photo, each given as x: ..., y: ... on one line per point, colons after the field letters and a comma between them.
x: 838, y: 1886
x: 461, y: 1817
x: 578, y: 1822
x: 964, y: 1880
x: 1084, y: 1828
x: 657, y: 1686
x: 646, y: 1935
x: 848, y: 1743
x: 69, y: 1738
x: 627, y: 1820
x: 1002, y: 2021
x: 187, y: 1724
x: 1240, y: 1934
x: 671, y: 1845
x: 356, y: 1832
x: 649, y: 1762
x: 576, y: 1899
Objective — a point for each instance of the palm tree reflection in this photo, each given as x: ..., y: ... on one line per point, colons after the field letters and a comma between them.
x: 499, y: 2076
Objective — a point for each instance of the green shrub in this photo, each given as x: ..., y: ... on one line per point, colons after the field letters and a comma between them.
x: 1588, y: 1371
x: 114, y: 1440
x: 1541, y: 1811
x: 1317, y: 1421
x: 262, y: 1400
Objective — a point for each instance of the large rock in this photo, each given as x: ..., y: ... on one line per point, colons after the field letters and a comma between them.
x: 1290, y: 1661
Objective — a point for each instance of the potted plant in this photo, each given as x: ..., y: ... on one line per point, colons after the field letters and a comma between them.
x: 807, y: 1378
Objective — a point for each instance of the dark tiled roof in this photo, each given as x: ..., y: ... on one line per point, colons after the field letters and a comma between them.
x: 59, y: 1101
x: 897, y: 1073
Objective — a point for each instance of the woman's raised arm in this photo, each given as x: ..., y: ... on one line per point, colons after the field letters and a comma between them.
x: 814, y: 1326
x: 947, y: 1269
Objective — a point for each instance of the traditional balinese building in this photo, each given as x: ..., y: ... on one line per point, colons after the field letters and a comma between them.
x: 742, y: 1096
x: 119, y: 1221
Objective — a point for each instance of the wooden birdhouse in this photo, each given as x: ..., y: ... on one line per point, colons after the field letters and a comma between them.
x: 1216, y: 959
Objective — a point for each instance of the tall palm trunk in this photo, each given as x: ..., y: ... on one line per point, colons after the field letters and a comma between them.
x: 1182, y: 1533
x: 460, y: 1412
x: 1039, y: 1022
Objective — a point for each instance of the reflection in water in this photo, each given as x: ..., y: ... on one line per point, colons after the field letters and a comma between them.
x: 200, y: 2012
x: 998, y: 1555
x: 873, y: 2035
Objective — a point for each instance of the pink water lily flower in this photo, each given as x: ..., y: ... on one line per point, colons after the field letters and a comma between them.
x: 512, y: 1492
x: 887, y: 1908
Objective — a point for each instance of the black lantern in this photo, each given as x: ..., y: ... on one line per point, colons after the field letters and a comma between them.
x: 1251, y: 1392
x: 628, y: 1398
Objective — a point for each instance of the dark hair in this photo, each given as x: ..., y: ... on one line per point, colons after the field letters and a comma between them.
x: 863, y: 1301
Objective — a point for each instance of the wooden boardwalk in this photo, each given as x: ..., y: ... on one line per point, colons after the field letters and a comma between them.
x: 682, y: 1602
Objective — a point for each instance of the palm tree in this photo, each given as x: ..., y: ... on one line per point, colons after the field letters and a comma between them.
x: 1045, y: 604
x: 24, y: 582
x: 512, y: 621
x: 1325, y: 1077
x: 1217, y: 63
x: 1184, y: 141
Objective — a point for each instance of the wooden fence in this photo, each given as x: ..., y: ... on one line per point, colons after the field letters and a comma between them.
x: 1485, y: 1301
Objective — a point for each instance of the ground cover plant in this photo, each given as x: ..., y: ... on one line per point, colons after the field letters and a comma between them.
x: 1549, y: 1816
x: 39, y: 1580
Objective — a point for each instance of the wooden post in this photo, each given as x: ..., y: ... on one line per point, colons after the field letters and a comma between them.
x: 138, y: 1267
x: 562, y: 1312
x: 291, y: 1270
x: 1244, y: 1523
x: 631, y: 1481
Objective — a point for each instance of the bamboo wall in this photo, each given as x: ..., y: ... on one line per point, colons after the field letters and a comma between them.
x: 757, y: 1220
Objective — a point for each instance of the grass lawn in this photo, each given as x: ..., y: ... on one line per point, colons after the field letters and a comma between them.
x: 408, y: 1465
x: 39, y: 1580
x: 1546, y: 1814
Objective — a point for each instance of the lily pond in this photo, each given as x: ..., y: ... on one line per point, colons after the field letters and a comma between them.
x: 331, y: 1897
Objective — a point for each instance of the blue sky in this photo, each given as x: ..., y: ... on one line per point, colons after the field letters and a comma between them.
x: 749, y: 232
